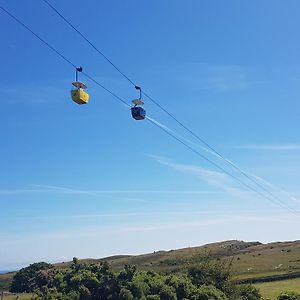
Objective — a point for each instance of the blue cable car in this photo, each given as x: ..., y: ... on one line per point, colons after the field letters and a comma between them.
x: 137, y: 112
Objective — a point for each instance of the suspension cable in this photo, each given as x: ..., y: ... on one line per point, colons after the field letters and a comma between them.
x: 217, y: 153
x: 283, y: 205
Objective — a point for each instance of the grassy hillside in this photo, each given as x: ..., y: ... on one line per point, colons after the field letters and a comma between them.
x: 5, y: 281
x: 268, y: 259
x: 249, y: 259
x: 17, y: 296
x: 177, y: 260
x: 271, y: 290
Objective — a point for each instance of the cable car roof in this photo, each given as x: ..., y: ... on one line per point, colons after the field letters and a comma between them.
x: 79, y: 85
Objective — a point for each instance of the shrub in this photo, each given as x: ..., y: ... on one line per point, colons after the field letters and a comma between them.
x: 208, y: 293
x: 289, y: 296
x: 22, y: 281
x: 125, y: 294
x: 209, y: 281
x: 247, y: 292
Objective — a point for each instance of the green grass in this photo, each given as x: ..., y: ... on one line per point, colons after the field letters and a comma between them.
x: 271, y: 290
x: 18, y: 296
x: 272, y: 259
x: 5, y: 281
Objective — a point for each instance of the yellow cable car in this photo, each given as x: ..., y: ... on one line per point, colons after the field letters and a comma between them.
x: 79, y: 95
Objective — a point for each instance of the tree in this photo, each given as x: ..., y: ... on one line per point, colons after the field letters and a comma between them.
x: 211, y: 273
x: 247, y: 292
x: 208, y: 293
x: 99, y: 282
x: 182, y: 284
x: 127, y: 274
x: 125, y: 294
x: 22, y: 281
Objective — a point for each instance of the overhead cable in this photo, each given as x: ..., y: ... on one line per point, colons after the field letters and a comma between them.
x: 88, y: 41
x: 149, y: 119
x: 161, y: 107
x: 211, y: 148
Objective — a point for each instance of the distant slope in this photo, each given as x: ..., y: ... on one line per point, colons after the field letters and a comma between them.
x: 5, y: 281
x: 249, y: 259
x: 175, y: 260
x: 268, y: 259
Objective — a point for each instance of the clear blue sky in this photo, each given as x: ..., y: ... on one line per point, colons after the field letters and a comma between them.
x: 89, y: 181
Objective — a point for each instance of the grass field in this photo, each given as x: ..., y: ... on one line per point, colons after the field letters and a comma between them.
x: 273, y: 259
x: 248, y: 262
x: 271, y: 290
x: 5, y: 281
x: 17, y: 296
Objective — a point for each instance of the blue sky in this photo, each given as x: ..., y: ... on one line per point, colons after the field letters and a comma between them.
x: 89, y: 181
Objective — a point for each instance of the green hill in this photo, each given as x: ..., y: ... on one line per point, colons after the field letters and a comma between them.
x: 250, y: 260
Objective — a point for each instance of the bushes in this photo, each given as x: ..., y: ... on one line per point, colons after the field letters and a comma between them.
x: 207, y: 282
x: 289, y: 296
x: 208, y: 293
x: 247, y: 292
x: 22, y: 281
x: 212, y: 273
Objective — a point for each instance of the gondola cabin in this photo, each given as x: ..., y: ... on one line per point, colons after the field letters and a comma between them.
x: 79, y: 95
x: 137, y: 112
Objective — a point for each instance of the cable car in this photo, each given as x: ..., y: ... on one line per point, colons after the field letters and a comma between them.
x: 79, y: 95
x: 137, y: 112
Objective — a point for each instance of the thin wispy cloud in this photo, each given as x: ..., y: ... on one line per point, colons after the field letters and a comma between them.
x: 276, y: 188
x: 61, y: 189
x: 122, y: 215
x: 225, y: 182
x: 42, y: 188
x: 215, y: 77
x: 34, y: 93
x: 270, y: 147
x: 217, y: 175
x: 213, y: 178
x: 225, y: 78
x: 100, y: 231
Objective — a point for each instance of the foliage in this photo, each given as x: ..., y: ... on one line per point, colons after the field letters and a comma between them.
x: 247, y: 292
x: 98, y: 281
x: 289, y: 296
x: 22, y: 280
x: 216, y: 273
x: 208, y: 293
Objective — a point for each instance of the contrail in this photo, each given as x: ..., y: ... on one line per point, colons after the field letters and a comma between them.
x: 216, y: 154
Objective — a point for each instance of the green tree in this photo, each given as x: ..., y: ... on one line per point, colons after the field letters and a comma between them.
x: 99, y: 282
x: 247, y: 292
x: 127, y: 274
x: 125, y: 294
x: 22, y: 281
x: 208, y: 293
x: 182, y: 284
x: 152, y: 297
x: 211, y: 273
